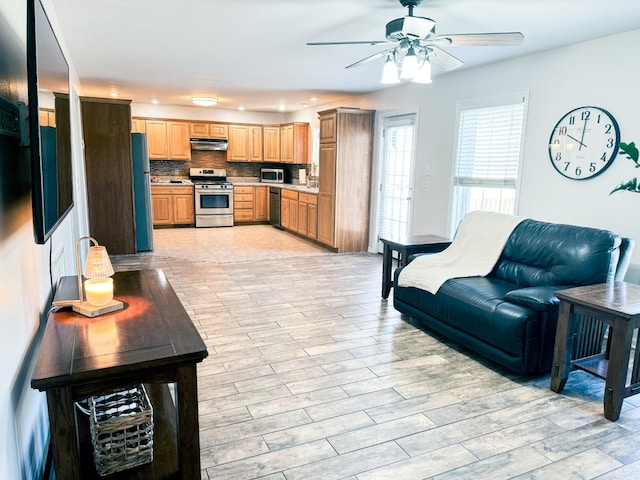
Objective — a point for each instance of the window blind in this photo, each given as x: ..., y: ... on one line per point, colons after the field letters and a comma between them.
x: 488, y: 147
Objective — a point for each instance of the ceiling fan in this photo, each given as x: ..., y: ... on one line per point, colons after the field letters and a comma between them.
x: 414, y: 46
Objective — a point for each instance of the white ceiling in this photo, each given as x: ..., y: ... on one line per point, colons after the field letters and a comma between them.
x: 253, y: 52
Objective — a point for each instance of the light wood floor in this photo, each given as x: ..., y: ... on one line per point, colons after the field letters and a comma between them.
x: 312, y: 376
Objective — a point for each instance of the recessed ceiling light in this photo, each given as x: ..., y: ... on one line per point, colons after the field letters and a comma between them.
x: 240, y: 107
x: 154, y: 101
x: 281, y: 108
x: 305, y: 104
x: 313, y: 99
x: 113, y: 94
x: 204, y: 101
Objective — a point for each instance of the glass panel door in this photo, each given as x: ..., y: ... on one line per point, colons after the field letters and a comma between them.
x: 396, y: 176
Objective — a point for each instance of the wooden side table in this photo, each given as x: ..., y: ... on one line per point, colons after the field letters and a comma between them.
x: 618, y: 305
x: 151, y: 341
x: 405, y: 246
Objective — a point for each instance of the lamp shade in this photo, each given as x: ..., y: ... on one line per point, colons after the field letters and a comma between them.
x: 390, y: 71
x: 423, y: 75
x: 98, y: 263
x: 409, y: 64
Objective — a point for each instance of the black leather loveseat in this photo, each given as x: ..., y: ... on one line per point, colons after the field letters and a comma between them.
x: 510, y: 315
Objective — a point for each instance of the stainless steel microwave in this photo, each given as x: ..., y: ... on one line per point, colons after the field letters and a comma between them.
x: 272, y: 175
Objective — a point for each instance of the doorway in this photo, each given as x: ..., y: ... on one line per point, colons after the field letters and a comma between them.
x: 396, y: 176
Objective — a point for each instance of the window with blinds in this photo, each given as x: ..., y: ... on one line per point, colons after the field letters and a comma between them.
x: 487, y: 161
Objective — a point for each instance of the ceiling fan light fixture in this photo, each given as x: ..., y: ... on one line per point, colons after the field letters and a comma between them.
x: 423, y: 75
x: 389, y: 72
x: 409, y: 65
x: 204, y: 101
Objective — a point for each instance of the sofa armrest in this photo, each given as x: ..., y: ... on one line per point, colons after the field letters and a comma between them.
x: 541, y: 299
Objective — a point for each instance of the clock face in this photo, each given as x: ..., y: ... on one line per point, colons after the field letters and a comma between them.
x: 584, y: 143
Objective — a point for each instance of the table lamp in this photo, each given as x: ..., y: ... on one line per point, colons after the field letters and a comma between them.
x: 96, y: 298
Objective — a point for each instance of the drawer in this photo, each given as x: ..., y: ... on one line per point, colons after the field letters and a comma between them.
x: 237, y: 190
x: 243, y: 215
x: 243, y: 205
x: 307, y: 198
x: 182, y: 190
x: 292, y: 194
x: 242, y: 197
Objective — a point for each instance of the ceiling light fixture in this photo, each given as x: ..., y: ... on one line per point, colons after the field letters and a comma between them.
x: 281, y: 108
x: 240, y: 107
x: 413, y: 65
x: 154, y: 101
x: 204, y: 101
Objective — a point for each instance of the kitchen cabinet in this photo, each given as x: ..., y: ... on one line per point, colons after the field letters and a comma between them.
x: 294, y: 143
x: 172, y: 205
x: 46, y: 117
x: 168, y: 140
x: 157, y: 139
x: 106, y: 129
x: 208, y: 130
x: 244, y: 143
x: 179, y: 144
x: 138, y: 125
x: 255, y: 143
x: 308, y: 215
x: 261, y: 204
x: 250, y: 204
x: 344, y: 178
x: 271, y: 143
x: 289, y: 209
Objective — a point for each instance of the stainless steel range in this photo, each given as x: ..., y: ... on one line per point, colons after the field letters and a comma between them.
x: 213, y: 197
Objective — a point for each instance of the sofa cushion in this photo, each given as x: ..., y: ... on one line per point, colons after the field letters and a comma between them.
x: 476, y: 306
x: 539, y: 253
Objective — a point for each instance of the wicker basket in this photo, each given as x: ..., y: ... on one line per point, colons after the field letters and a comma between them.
x: 121, y: 430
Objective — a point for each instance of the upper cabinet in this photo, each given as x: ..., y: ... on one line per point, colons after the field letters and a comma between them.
x: 245, y: 143
x: 271, y: 143
x: 166, y: 139
x: 328, y: 126
x: 294, y: 143
x: 157, y: 139
x: 208, y: 130
x: 170, y: 140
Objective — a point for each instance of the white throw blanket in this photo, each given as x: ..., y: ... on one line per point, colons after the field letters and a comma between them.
x: 475, y: 249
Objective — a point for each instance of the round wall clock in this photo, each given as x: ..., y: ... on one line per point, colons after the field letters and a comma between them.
x: 584, y: 143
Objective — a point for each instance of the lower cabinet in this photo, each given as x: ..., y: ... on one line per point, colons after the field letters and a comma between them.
x: 308, y: 215
x: 299, y: 212
x: 172, y: 205
x: 250, y: 204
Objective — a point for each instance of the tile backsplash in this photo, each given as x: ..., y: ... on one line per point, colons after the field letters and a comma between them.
x: 215, y: 159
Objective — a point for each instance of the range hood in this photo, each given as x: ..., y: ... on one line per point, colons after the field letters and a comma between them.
x: 208, y: 143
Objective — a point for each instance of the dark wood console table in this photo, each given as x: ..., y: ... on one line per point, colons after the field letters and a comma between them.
x: 618, y: 305
x: 405, y: 246
x: 151, y: 341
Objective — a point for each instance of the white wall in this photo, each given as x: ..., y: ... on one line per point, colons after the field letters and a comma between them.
x: 25, y: 288
x: 601, y: 73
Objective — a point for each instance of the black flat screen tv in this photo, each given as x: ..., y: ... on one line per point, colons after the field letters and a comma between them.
x: 49, y: 125
x: 15, y: 176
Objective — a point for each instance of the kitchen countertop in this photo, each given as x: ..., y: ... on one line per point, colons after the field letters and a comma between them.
x: 170, y: 181
x: 290, y: 186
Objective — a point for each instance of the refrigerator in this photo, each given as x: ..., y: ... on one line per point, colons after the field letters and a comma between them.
x: 142, y: 192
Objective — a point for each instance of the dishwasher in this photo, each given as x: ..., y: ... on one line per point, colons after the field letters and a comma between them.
x: 274, y: 207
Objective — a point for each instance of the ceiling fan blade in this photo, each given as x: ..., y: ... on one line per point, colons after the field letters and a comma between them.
x: 365, y: 42
x: 479, y: 39
x: 443, y: 60
x: 371, y: 58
